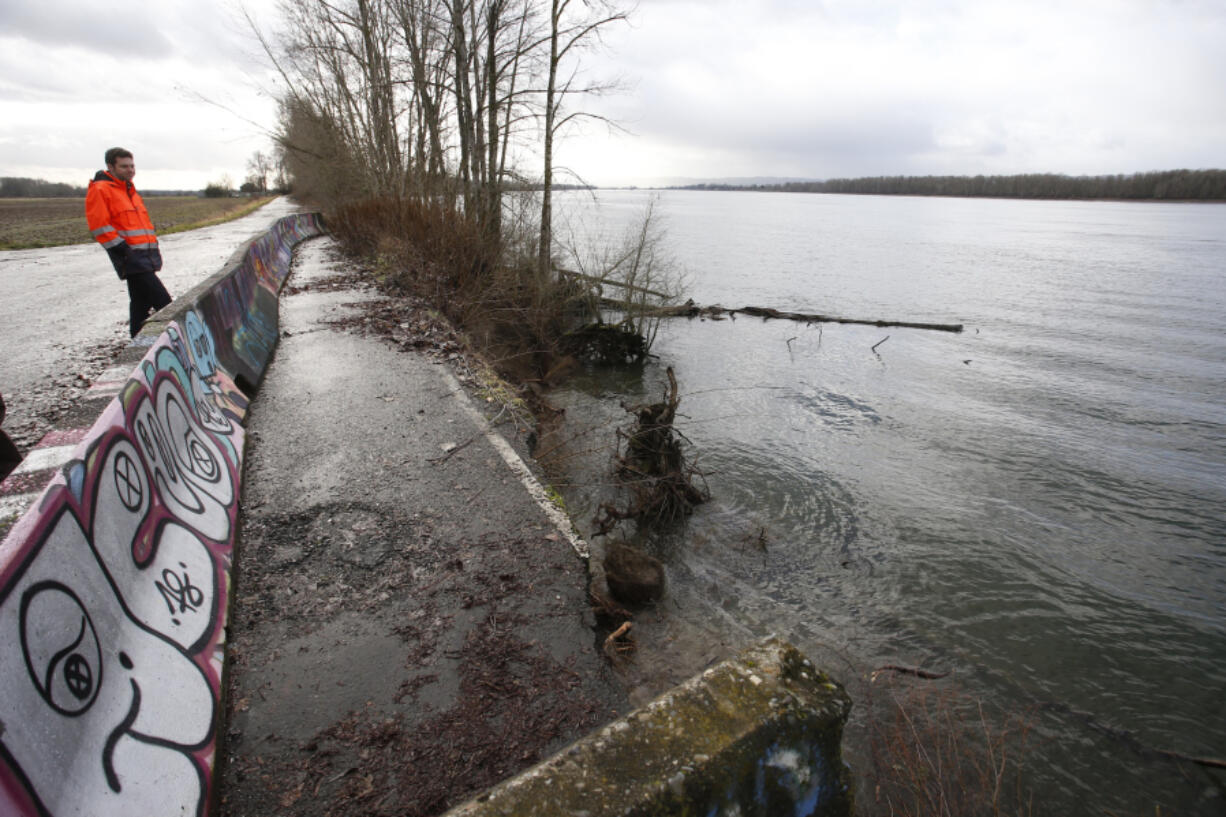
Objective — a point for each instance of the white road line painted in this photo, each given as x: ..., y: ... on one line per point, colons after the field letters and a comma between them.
x: 115, y: 373
x: 40, y: 459
x: 560, y: 520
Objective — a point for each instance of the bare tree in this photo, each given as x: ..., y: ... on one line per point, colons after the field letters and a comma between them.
x: 422, y: 34
x: 435, y: 99
x: 259, y: 166
x: 572, y: 25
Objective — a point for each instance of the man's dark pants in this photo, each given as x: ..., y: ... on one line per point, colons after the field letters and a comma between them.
x: 146, y: 292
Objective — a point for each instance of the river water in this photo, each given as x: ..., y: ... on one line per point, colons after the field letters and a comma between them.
x: 1037, y: 504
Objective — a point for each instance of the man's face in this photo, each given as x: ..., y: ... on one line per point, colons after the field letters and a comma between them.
x: 123, y: 169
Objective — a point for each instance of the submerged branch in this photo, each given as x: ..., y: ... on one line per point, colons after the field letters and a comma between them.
x: 692, y: 310
x: 917, y: 672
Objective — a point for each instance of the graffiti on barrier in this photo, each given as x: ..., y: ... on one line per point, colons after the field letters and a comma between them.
x: 113, y: 600
x: 241, y: 310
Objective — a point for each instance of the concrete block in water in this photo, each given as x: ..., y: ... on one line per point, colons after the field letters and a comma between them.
x: 760, y: 734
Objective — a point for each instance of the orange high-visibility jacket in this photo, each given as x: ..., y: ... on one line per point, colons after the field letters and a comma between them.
x: 119, y: 222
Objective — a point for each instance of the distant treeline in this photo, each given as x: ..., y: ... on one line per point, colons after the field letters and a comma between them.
x: 12, y: 187
x: 1199, y: 185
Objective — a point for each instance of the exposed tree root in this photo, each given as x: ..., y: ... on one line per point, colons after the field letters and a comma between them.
x: 654, y: 468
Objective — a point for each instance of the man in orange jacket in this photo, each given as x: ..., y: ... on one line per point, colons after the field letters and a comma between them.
x: 119, y: 221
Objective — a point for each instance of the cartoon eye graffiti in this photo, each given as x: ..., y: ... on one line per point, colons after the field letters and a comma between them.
x: 78, y: 677
x: 61, y: 648
x: 129, y: 484
x: 203, y: 464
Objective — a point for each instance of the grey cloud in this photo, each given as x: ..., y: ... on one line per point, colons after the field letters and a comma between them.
x: 825, y: 138
x: 119, y: 30
x: 863, y: 147
x: 19, y: 84
x: 165, y: 147
x: 67, y: 147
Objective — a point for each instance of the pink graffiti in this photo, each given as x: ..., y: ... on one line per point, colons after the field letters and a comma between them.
x: 114, y: 587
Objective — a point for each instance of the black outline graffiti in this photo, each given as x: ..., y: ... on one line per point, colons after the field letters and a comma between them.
x: 204, y: 464
x: 155, y: 445
x: 165, y: 418
x: 155, y: 536
x: 78, y: 677
x: 124, y: 729
x: 161, y: 467
x: 108, y: 750
x: 45, y: 683
x: 183, y: 593
x: 129, y: 490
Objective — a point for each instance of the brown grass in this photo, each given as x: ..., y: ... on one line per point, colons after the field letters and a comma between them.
x: 32, y: 223
x: 487, y: 289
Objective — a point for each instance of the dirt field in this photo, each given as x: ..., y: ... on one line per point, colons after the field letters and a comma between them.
x: 26, y: 223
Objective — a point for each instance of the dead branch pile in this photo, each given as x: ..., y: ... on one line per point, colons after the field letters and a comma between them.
x: 653, y: 467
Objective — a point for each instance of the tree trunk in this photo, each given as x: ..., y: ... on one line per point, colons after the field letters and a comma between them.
x: 556, y: 7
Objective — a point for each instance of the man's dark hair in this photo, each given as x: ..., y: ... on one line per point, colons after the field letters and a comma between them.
x: 115, y: 154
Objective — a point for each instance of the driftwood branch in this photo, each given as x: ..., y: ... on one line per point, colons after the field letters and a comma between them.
x: 1208, y: 762
x: 918, y: 673
x: 692, y: 310
x: 1127, y: 737
x: 620, y: 640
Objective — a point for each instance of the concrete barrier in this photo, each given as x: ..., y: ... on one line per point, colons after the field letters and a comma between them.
x: 115, y: 583
x: 758, y: 735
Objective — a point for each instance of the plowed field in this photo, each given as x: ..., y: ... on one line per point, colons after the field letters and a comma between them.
x: 27, y: 223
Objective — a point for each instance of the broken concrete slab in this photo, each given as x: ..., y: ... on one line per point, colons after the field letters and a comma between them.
x: 759, y: 734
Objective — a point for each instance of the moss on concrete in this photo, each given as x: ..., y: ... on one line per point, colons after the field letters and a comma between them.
x: 757, y: 735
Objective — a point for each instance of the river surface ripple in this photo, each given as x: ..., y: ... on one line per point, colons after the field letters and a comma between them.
x: 1037, y: 504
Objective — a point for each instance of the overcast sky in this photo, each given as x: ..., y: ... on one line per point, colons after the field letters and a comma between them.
x: 716, y: 88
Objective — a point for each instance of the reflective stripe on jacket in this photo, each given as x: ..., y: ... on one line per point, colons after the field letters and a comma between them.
x: 119, y: 222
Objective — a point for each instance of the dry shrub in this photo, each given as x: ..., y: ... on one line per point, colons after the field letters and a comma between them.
x: 432, y: 247
x: 935, y: 751
x: 486, y: 286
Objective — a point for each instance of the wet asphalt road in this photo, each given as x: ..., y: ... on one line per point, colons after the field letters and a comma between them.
x: 409, y: 625
x: 63, y: 310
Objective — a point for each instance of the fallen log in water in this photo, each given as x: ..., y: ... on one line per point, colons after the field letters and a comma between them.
x: 602, y: 281
x: 692, y: 310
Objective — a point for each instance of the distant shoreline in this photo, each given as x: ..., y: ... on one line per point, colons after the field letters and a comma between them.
x: 1187, y: 186
x: 1120, y: 200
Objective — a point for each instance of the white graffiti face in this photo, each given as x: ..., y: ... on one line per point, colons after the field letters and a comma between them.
x: 105, y: 627
x: 110, y: 712
x: 113, y: 594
